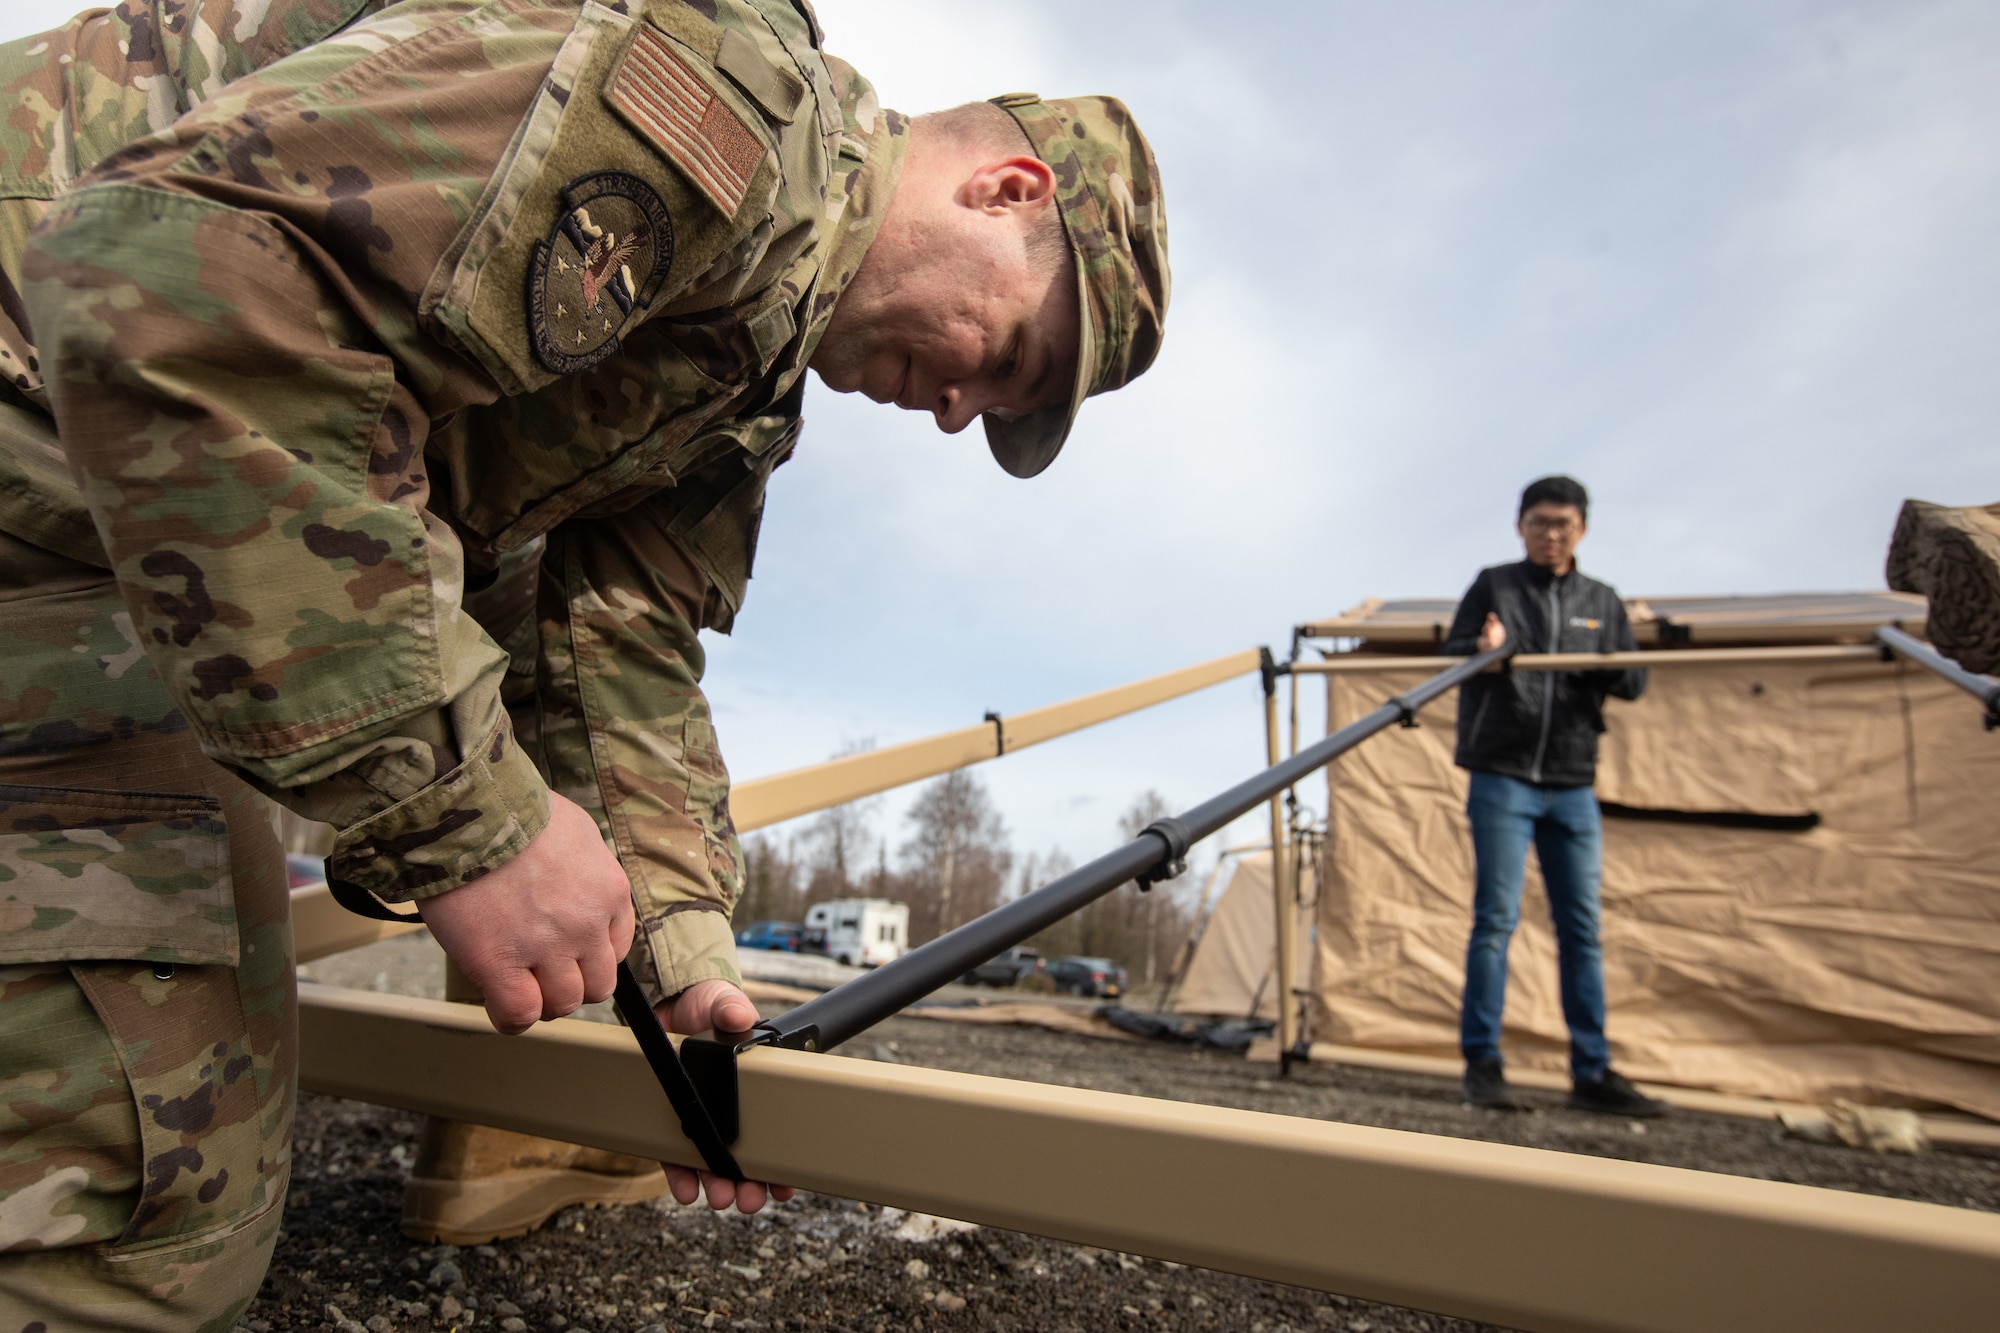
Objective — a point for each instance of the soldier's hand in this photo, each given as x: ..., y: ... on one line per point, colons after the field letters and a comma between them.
x: 542, y: 934
x: 720, y: 1006
x: 1492, y: 634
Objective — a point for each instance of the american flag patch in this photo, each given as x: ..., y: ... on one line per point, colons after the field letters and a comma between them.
x: 668, y: 103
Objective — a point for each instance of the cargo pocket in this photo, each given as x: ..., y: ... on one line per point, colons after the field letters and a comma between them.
x: 87, y: 875
x: 133, y: 891
x: 184, y: 1041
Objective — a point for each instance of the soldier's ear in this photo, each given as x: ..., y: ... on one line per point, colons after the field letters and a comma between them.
x: 1008, y: 183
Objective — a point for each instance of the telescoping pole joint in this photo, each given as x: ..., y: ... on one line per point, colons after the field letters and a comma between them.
x: 1172, y: 866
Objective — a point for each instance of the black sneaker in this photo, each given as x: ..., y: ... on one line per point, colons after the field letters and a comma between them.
x: 1486, y: 1085
x: 1614, y: 1095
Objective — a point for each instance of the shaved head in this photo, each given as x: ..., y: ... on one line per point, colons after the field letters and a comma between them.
x: 982, y: 132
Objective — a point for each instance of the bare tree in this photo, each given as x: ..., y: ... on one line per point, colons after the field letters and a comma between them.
x: 957, y: 858
x: 771, y: 882
x: 821, y: 861
x: 839, y: 842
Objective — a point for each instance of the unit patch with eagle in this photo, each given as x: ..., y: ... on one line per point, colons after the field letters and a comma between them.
x: 605, y: 258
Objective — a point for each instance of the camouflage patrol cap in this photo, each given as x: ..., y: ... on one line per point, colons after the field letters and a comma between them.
x: 1108, y: 195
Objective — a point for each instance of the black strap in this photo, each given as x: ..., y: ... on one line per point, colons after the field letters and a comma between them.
x: 695, y: 1120
x: 363, y: 903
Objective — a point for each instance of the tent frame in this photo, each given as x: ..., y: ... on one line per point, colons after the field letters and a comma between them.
x: 1533, y: 1239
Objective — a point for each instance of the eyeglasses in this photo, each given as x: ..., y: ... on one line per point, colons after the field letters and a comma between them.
x: 1550, y: 527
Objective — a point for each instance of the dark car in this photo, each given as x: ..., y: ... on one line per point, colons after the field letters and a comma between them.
x: 1087, y: 976
x: 1006, y: 969
x: 785, y: 935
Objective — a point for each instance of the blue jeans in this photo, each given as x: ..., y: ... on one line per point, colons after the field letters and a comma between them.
x: 1563, y: 823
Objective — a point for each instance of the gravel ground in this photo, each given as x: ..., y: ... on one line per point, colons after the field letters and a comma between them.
x: 823, y: 1263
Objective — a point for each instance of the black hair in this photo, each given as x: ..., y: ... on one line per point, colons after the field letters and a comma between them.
x: 1556, y: 490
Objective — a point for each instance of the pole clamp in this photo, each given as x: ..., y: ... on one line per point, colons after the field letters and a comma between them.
x: 999, y: 735
x: 1269, y: 670
x: 1174, y: 864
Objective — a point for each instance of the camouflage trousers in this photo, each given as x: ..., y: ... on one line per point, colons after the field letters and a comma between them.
x: 147, y: 1008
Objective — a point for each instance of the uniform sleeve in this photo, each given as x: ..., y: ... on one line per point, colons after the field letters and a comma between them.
x: 628, y: 735
x: 226, y: 313
x: 254, y: 466
x: 254, y: 322
x: 1462, y: 640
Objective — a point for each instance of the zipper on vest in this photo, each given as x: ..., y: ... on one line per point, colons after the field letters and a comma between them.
x: 1549, y: 689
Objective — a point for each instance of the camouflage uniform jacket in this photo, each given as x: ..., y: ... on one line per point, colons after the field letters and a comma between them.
x: 344, y: 329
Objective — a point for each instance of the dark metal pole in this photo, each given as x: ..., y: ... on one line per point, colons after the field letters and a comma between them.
x: 852, y: 1008
x: 1983, y: 688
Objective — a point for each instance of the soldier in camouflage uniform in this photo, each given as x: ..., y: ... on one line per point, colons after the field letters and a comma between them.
x: 391, y: 400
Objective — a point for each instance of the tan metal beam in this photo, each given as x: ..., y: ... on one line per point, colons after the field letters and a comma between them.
x: 1518, y: 1236
x: 763, y: 801
x: 1597, y: 661
x: 321, y: 926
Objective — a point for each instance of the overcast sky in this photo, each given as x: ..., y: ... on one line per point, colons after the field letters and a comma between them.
x: 1734, y: 266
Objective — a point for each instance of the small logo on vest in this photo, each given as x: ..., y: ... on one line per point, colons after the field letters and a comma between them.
x: 605, y: 258
x: 1578, y: 622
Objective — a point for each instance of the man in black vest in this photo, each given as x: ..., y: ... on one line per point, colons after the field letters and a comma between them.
x: 1530, y: 741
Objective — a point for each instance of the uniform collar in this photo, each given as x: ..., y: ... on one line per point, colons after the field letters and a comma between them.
x: 881, y: 140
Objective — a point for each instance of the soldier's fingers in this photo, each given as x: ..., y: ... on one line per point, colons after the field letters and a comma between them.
x: 623, y: 925
x: 731, y: 1010
x: 685, y: 1184
x: 750, y: 1197
x: 513, y: 1000
x: 599, y: 970
x: 562, y: 987
x: 693, y: 1010
x: 782, y: 1193
x: 721, y: 1190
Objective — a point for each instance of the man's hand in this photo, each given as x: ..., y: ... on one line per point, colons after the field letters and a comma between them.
x: 1492, y: 634
x: 722, y: 1007
x: 542, y: 934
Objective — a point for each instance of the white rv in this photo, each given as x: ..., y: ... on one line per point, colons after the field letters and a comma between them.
x: 860, y: 932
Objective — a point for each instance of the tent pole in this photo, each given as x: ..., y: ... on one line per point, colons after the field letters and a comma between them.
x: 1983, y: 688
x: 1158, y: 853
x: 1280, y: 888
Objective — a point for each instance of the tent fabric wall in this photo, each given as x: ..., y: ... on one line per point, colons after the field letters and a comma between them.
x: 1853, y: 959
x: 1231, y: 974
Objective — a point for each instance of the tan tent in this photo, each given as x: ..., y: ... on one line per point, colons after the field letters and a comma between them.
x: 1233, y: 972
x: 1801, y: 888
